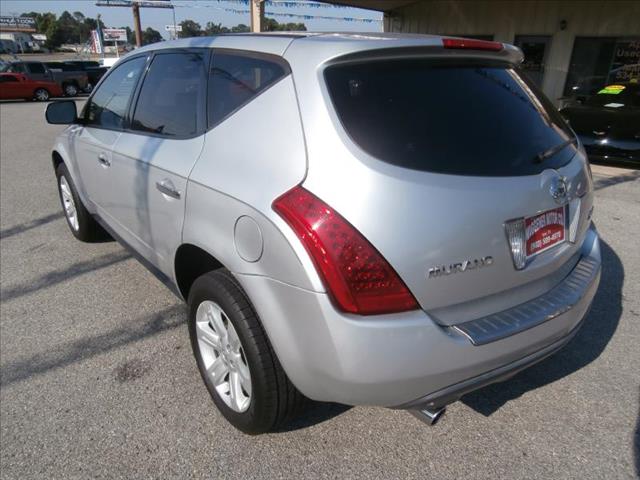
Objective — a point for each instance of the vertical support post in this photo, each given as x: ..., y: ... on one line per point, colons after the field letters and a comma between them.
x: 257, y: 14
x: 136, y: 23
x: 175, y: 26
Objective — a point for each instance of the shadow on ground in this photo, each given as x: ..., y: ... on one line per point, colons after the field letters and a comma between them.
x: 23, y: 227
x: 84, y: 348
x: 57, y: 276
x: 605, y: 182
x: 585, y: 347
x: 314, y: 414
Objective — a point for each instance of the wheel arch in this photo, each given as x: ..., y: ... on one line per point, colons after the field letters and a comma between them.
x: 190, y: 262
x: 56, y: 159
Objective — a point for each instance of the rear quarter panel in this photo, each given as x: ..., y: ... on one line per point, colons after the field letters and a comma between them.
x: 249, y: 160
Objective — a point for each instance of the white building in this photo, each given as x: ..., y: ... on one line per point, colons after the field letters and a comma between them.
x: 23, y: 40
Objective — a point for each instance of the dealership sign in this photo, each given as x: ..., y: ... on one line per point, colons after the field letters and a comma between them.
x: 96, y: 42
x: 114, y: 34
x: 17, y: 24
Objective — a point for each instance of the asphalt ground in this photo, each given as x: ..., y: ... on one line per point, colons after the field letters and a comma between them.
x: 97, y: 378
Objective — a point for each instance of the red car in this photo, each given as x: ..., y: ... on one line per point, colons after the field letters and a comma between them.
x: 17, y: 85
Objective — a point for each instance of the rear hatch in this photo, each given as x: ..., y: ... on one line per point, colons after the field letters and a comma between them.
x: 448, y: 150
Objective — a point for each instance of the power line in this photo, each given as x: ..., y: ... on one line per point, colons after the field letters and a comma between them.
x: 280, y: 3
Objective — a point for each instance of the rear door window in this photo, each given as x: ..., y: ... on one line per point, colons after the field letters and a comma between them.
x: 236, y: 78
x: 429, y: 115
x: 173, y: 96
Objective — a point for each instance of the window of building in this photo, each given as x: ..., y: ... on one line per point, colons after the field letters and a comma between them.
x: 599, y: 61
x: 173, y: 96
x: 235, y: 79
x: 109, y: 103
x: 535, y: 49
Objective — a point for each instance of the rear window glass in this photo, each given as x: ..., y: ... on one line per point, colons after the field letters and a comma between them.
x: 445, y: 118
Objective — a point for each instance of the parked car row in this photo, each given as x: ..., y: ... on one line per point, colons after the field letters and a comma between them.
x: 68, y: 78
x: 17, y: 86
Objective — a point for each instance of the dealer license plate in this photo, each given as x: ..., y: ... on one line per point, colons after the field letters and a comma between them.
x: 545, y: 230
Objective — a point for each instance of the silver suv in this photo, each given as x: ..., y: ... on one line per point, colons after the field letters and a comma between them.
x: 366, y: 219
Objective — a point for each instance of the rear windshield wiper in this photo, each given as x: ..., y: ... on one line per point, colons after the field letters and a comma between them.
x: 541, y: 157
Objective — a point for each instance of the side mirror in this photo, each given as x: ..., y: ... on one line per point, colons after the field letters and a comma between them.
x: 62, y: 112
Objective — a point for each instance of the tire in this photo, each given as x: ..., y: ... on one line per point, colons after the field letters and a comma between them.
x: 41, y: 95
x: 272, y: 398
x: 82, y: 225
x: 70, y: 89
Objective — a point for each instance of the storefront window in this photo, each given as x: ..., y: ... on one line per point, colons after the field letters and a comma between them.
x: 535, y: 49
x: 597, y: 62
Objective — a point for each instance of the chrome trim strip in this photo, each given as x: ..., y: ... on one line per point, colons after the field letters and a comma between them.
x: 552, y: 304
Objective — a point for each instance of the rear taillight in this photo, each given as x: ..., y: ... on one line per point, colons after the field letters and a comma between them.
x: 471, y: 44
x: 518, y: 242
x: 355, y: 274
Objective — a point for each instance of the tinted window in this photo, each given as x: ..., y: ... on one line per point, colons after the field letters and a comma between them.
x: 468, y: 120
x: 234, y: 79
x: 60, y: 66
x: 16, y: 68
x: 8, y: 78
x: 173, y: 96
x: 109, y: 103
x: 35, y: 68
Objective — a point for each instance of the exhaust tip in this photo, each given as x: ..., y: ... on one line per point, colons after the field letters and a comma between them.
x: 428, y: 415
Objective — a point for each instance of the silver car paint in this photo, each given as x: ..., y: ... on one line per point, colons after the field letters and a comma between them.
x: 384, y: 360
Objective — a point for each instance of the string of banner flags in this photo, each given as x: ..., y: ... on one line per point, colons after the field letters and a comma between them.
x: 282, y: 3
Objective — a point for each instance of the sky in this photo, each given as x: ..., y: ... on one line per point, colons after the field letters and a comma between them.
x: 202, y: 11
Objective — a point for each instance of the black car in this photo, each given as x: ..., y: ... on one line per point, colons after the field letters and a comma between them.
x: 93, y: 69
x: 608, y: 124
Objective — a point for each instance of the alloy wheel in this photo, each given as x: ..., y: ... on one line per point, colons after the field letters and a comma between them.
x: 223, y: 356
x: 41, y: 95
x: 69, y: 204
x: 70, y: 90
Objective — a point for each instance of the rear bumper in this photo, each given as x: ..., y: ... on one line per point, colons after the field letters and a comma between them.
x: 405, y: 360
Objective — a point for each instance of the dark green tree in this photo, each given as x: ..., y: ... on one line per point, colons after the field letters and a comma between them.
x: 240, y: 28
x: 190, y: 29
x: 215, y: 29
x: 131, y: 36
x: 271, y: 25
x: 151, y: 36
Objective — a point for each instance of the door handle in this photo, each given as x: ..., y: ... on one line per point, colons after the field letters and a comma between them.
x: 102, y: 158
x: 166, y: 186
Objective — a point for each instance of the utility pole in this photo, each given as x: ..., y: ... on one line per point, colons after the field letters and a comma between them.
x: 136, y: 23
x: 257, y: 15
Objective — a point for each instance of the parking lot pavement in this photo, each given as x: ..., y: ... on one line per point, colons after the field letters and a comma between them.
x: 97, y: 378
